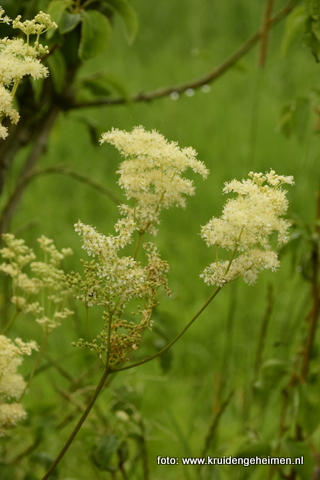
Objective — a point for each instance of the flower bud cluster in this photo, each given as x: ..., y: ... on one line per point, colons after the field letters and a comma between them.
x: 113, y: 281
x: 246, y: 226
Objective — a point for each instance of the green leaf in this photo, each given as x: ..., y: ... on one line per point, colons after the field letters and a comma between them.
x: 294, y: 118
x: 294, y: 27
x: 56, y: 10
x: 310, y: 39
x: 125, y: 399
x: 68, y: 22
x: 313, y: 8
x: 57, y: 67
x: 95, y: 34
x: 309, y: 408
x: 99, y: 84
x: 103, y: 451
x: 165, y: 358
x: 301, y: 451
x: 37, y: 87
x: 254, y: 450
x: 316, y: 29
x: 128, y: 15
x: 45, y: 460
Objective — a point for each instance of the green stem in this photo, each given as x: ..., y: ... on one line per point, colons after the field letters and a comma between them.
x: 15, y: 87
x: 88, y: 322
x: 148, y: 359
x: 138, y: 244
x: 79, y: 424
x: 11, y: 322
x: 109, y: 339
x: 36, y: 365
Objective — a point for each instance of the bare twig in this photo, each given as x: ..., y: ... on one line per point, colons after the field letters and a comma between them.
x: 198, y: 83
x: 27, y: 178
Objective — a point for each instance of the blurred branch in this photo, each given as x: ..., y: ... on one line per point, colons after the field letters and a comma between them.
x: 265, y: 33
x: 223, y: 377
x: 206, y: 79
x: 37, y: 150
x: 263, y: 332
x: 215, y: 423
x: 10, y: 206
x: 315, y: 308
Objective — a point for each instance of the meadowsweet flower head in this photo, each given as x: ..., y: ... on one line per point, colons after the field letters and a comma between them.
x: 151, y: 173
x: 247, y: 223
x: 31, y: 278
x: 113, y: 281
x: 12, y: 384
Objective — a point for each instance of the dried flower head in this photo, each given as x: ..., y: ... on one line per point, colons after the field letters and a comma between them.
x: 151, y: 173
x: 246, y: 226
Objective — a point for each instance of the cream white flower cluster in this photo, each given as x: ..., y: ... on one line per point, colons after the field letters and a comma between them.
x: 246, y: 226
x: 12, y: 384
x: 18, y: 58
x: 151, y: 174
x: 112, y: 282
x: 43, y: 277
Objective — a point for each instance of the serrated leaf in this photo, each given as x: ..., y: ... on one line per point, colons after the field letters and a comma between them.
x: 57, y: 67
x: 95, y: 34
x: 103, y: 451
x: 56, y: 10
x: 68, y: 22
x: 128, y: 15
x: 294, y: 27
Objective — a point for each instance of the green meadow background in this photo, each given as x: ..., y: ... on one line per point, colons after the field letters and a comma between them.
x: 238, y: 126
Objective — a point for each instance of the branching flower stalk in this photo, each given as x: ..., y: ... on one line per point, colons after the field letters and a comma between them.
x: 151, y: 176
